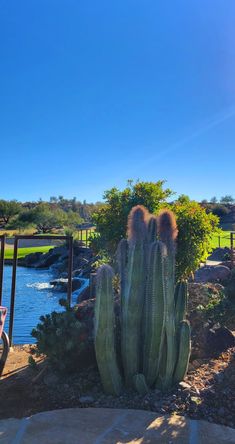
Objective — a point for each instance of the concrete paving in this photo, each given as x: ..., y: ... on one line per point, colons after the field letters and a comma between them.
x: 111, y: 426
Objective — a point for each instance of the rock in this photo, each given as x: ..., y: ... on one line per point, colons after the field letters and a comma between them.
x: 31, y: 259
x: 62, y: 284
x: 51, y: 379
x: 86, y: 399
x: 219, y: 339
x: 84, y: 295
x: 230, y: 289
x: 207, y: 273
x: 184, y: 385
x: 220, y: 254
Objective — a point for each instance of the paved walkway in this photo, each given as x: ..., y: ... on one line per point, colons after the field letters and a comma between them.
x: 111, y: 426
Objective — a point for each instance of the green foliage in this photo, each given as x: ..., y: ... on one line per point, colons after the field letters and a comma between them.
x: 8, y: 209
x: 228, y: 199
x: 62, y: 338
x: 45, y: 218
x: 155, y: 337
x: 219, y: 210
x: 111, y: 219
x: 196, y: 230
x: 32, y: 363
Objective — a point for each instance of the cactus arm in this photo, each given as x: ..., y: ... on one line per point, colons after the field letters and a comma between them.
x: 181, y: 298
x: 121, y: 257
x: 140, y: 384
x: 104, y: 332
x: 184, y: 352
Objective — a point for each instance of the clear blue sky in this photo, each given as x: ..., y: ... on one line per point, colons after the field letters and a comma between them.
x: 93, y: 93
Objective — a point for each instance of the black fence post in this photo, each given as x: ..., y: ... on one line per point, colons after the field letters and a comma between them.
x: 2, y: 238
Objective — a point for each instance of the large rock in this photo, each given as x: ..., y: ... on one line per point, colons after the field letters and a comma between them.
x: 219, y: 339
x: 220, y: 254
x: 62, y: 284
x: 109, y: 426
x: 218, y: 273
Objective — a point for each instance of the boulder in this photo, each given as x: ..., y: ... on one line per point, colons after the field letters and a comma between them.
x: 84, y: 295
x: 31, y: 259
x: 61, y: 284
x: 218, y: 273
x: 220, y: 254
x: 219, y: 339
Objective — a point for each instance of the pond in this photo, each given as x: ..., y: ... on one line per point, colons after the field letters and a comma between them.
x: 34, y: 297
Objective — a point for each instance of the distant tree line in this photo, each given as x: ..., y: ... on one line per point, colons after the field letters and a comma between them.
x: 220, y: 207
x: 59, y: 212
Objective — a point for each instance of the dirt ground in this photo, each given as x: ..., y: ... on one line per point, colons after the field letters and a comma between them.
x: 208, y: 391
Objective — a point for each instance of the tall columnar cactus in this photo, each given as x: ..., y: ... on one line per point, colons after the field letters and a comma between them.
x: 168, y: 233
x: 132, y: 299
x: 155, y: 337
x: 154, y: 311
x: 104, y: 332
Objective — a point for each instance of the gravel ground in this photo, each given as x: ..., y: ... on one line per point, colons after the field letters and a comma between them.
x: 208, y: 391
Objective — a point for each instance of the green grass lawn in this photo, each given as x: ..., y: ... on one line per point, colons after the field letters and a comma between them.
x: 22, y: 252
x: 224, y: 240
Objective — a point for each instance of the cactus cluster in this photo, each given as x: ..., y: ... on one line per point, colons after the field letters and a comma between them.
x: 155, y: 336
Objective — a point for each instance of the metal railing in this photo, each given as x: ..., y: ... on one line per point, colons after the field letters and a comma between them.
x: 69, y: 240
x: 88, y: 233
x: 2, y: 252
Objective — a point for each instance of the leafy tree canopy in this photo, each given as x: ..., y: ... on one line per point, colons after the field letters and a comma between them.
x: 111, y: 218
x: 8, y: 209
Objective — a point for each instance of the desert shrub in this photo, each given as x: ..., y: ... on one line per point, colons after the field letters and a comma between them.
x: 196, y: 228
x: 63, y: 338
x: 111, y: 219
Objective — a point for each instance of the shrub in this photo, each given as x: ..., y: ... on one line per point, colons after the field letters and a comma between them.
x: 196, y: 229
x: 111, y: 219
x: 63, y: 338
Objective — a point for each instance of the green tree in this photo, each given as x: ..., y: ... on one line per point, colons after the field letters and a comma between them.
x: 111, y: 218
x: 228, y: 199
x: 8, y: 209
x: 43, y: 217
x: 196, y: 228
x: 214, y: 199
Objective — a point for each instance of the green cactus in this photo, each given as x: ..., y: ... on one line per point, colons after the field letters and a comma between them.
x: 183, y: 352
x: 181, y: 298
x: 152, y: 229
x: 168, y: 234
x: 154, y: 312
x: 133, y: 292
x: 104, y: 332
x: 140, y: 384
x: 155, y: 337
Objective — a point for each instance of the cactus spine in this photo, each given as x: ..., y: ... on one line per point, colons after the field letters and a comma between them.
x: 104, y: 332
x: 155, y: 337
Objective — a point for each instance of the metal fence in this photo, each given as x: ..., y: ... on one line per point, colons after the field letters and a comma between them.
x: 84, y: 235
x: 67, y: 239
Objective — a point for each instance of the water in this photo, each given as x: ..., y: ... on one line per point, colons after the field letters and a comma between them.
x: 34, y: 297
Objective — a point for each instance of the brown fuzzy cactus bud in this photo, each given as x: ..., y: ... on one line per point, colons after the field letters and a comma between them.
x: 167, y: 227
x: 137, y: 223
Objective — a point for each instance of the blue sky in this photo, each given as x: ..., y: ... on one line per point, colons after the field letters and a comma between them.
x: 95, y: 93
